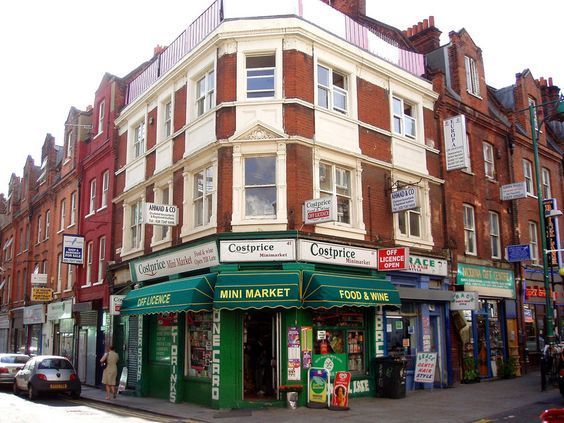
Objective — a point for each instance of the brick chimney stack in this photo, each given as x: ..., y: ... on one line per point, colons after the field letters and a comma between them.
x: 550, y: 93
x: 352, y: 8
x: 425, y: 36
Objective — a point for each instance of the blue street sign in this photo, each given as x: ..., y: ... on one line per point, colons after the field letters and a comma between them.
x: 518, y: 252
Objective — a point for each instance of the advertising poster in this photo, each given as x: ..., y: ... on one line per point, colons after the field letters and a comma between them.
x: 317, y: 388
x: 294, y: 360
x: 425, y: 367
x: 307, y: 346
x: 340, y: 397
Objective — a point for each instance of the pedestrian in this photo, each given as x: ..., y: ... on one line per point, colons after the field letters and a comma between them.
x: 109, y: 376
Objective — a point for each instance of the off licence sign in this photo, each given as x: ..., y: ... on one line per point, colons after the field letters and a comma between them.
x: 393, y: 258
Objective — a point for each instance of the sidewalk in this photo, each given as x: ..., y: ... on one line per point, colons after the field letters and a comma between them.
x: 464, y: 403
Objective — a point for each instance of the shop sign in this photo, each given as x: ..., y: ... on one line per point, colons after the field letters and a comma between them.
x: 161, y: 214
x: 333, y: 363
x: 393, y: 259
x: 39, y: 278
x: 179, y: 261
x: 534, y: 291
x: 519, y: 252
x: 294, y: 361
x: 404, y: 199
x: 513, y: 191
x: 425, y: 365
x: 456, y: 143
x: 216, y: 354
x: 82, y: 307
x: 552, y: 236
x: 73, y: 249
x: 486, y: 280
x: 320, y: 210
x: 41, y: 294
x: 340, y: 397
x: 258, y: 250
x: 59, y: 310
x: 464, y: 300
x: 427, y: 265
x: 317, y: 386
x: 34, y: 314
x: 115, y: 304
x: 4, y: 321
x: 324, y: 252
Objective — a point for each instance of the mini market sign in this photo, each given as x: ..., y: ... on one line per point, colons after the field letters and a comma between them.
x: 486, y: 280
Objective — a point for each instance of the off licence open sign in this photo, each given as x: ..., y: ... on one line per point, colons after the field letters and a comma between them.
x: 393, y: 259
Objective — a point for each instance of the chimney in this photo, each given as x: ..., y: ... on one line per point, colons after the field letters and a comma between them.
x: 352, y: 8
x: 424, y: 36
x: 158, y: 50
x: 549, y: 94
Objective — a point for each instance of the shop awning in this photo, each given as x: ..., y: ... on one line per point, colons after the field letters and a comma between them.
x: 255, y: 290
x: 326, y: 290
x: 189, y: 294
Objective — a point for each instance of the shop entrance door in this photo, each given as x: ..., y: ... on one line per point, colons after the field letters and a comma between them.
x: 260, y: 355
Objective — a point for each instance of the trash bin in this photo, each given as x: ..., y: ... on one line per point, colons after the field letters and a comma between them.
x: 390, y: 377
x: 292, y: 400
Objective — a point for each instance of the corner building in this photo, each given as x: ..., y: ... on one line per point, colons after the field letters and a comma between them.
x: 238, y: 123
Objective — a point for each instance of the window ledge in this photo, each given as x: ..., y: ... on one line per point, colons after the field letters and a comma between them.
x: 67, y: 290
x: 92, y: 213
x: 132, y: 252
x: 468, y: 172
x: 474, y: 95
x: 531, y: 195
x: 492, y: 180
x: 466, y: 253
x: 102, y: 208
x: 71, y: 225
x: 161, y: 242
x: 200, y: 231
x: 88, y: 285
x: 98, y: 283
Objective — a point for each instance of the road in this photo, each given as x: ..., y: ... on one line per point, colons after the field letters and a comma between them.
x: 63, y: 409
x: 528, y: 413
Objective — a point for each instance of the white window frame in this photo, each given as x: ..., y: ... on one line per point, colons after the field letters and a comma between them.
x: 269, y: 72
x: 495, y: 234
x: 101, y: 258
x: 162, y: 233
x: 472, y: 76
x: 69, y: 145
x: 403, y: 119
x: 331, y: 90
x: 39, y: 229
x: 528, y: 175
x: 89, y: 260
x: 92, y: 203
x: 407, y: 214
x: 248, y: 186
x: 105, y: 189
x: 59, y: 272
x: 206, y: 198
x: 534, y: 241
x: 138, y: 140
x: 62, y: 216
x: 47, y: 223
x: 205, y: 93
x: 336, y: 172
x: 469, y: 221
x: 73, y: 209
x: 489, y: 162
x: 546, y: 186
x: 136, y: 227
x: 101, y: 116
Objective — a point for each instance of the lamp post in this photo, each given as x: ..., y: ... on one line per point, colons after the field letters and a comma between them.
x: 549, y: 330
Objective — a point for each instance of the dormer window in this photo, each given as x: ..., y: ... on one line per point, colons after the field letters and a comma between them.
x: 43, y: 173
x: 472, y: 79
x: 101, y: 115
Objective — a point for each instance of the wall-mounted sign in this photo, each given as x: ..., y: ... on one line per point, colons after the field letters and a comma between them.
x: 73, y: 249
x: 320, y: 210
x: 179, y: 261
x: 464, y: 300
x: 41, y: 294
x: 456, y: 143
x: 535, y: 292
x: 513, y: 191
x: 516, y: 253
x: 393, y: 259
x: 59, y: 310
x: 427, y: 265
x: 39, y: 278
x: 258, y: 250
x: 484, y: 280
x: 425, y: 365
x: 160, y: 214
x: 552, y: 236
x: 34, y: 314
x: 115, y: 304
x: 404, y: 199
x: 324, y: 252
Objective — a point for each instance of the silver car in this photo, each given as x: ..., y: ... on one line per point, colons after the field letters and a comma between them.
x: 47, y: 373
x: 9, y: 366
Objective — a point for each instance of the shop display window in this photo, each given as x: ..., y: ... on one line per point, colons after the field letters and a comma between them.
x: 341, y: 332
x: 161, y: 329
x: 198, y: 344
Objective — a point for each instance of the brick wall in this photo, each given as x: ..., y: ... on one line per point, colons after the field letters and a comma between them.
x: 224, y: 189
x: 179, y: 117
x: 376, y: 204
x: 226, y: 78
x: 375, y: 145
x: 298, y: 75
x: 373, y: 104
x: 299, y: 120
x: 299, y: 179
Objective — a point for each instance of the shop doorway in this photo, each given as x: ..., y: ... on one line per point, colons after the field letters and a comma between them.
x: 490, y: 346
x: 260, y: 355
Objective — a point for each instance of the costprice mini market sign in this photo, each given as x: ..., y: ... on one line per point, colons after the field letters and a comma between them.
x: 486, y: 280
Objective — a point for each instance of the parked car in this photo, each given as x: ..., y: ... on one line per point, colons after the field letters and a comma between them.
x: 47, y: 373
x: 9, y: 366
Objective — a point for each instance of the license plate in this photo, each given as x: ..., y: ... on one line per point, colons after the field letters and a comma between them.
x: 58, y: 386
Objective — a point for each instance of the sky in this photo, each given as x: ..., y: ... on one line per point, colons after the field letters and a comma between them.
x: 54, y: 53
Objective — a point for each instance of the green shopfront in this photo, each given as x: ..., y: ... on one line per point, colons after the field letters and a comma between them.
x: 245, y: 325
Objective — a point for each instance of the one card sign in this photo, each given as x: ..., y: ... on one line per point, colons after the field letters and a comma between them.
x: 513, y: 191
x: 317, y: 387
x: 456, y: 145
x: 161, y: 214
x: 393, y: 259
x: 425, y: 366
x: 404, y: 199
x: 340, y: 397
x: 73, y: 249
x: 320, y: 210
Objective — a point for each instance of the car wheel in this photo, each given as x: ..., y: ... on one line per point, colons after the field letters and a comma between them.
x: 75, y: 394
x: 31, y: 393
x: 16, y: 389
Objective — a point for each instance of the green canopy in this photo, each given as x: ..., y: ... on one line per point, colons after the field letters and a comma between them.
x: 194, y: 294
x: 326, y: 290
x: 246, y: 290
